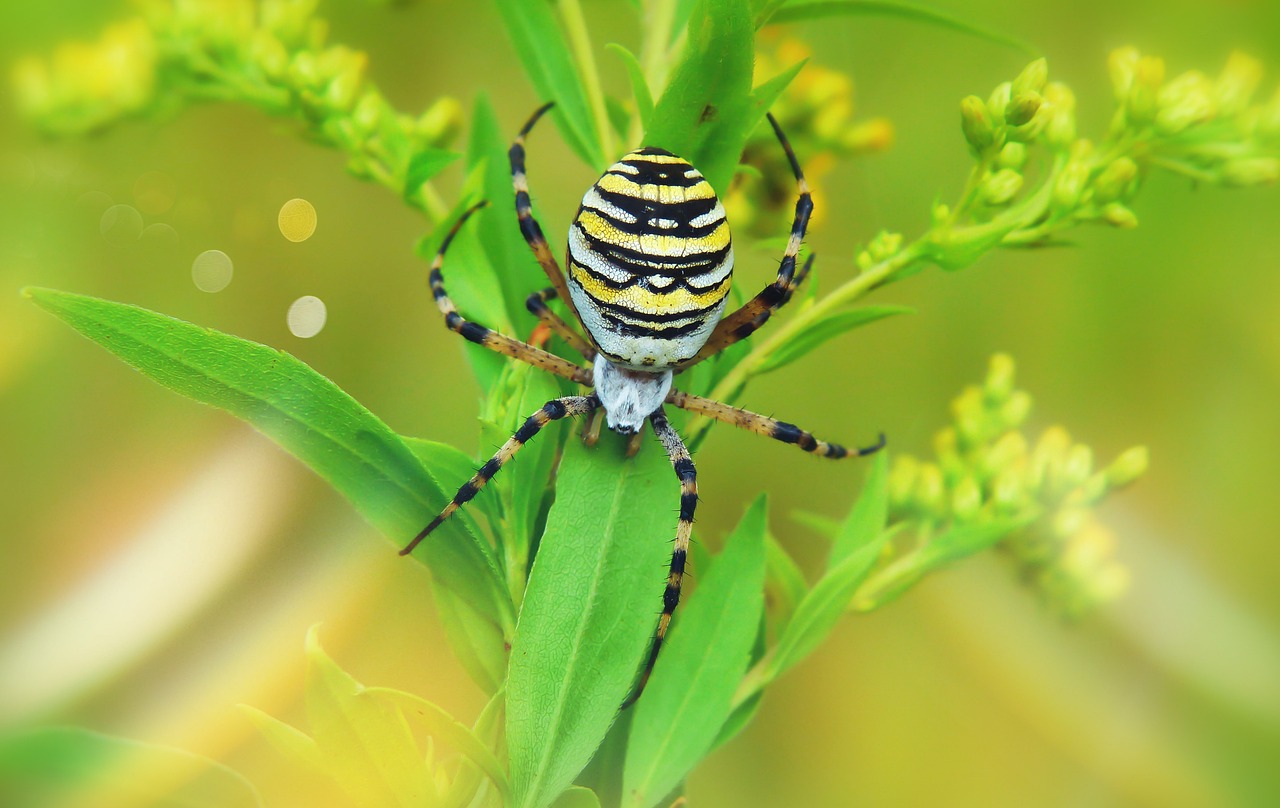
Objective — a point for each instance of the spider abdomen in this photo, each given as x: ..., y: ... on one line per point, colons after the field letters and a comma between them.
x: 650, y: 261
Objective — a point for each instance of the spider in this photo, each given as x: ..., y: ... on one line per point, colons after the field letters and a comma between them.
x: 650, y: 263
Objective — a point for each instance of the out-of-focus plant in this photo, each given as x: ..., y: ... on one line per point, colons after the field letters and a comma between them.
x: 549, y: 603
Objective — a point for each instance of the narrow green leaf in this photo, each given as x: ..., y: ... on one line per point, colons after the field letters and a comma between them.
x: 424, y: 165
x: 639, y: 85
x: 469, y: 781
x: 450, y: 467
x: 478, y: 642
x: 800, y: 10
x: 444, y: 727
x: 75, y: 766
x: 305, y: 413
x: 868, y: 516
x: 763, y: 10
x: 510, y: 259
x: 785, y: 585
x: 705, y: 113
x: 738, y: 719
x: 290, y: 742
x: 577, y: 797
x: 545, y: 54
x: 691, y: 692
x: 589, y: 611
x: 525, y: 481
x: 366, y: 745
x: 825, y: 330
x: 470, y: 278
x: 818, y: 613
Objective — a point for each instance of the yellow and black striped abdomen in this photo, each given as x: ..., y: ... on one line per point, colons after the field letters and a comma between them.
x: 650, y: 260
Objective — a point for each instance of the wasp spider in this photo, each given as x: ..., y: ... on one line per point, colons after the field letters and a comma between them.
x: 650, y: 262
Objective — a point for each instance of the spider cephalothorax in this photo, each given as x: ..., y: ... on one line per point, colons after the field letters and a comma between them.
x: 650, y: 261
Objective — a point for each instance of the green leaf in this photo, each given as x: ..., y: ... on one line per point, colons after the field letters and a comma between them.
x: 577, y: 797
x: 524, y: 482
x: 75, y: 766
x: 825, y: 330
x: 469, y: 780
x: 306, y: 414
x: 424, y: 165
x: 478, y: 642
x: 763, y: 10
x: 707, y: 110
x: 589, y: 611
x: 639, y: 85
x: 543, y: 51
x: 290, y: 742
x: 856, y: 550
x: 690, y: 695
x: 450, y: 467
x: 365, y: 745
x: 869, y: 515
x: 511, y: 261
x: 801, y: 10
x: 471, y: 280
x: 785, y: 585
x: 444, y: 727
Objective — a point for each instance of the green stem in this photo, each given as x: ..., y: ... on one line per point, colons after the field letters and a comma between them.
x: 576, y: 26
x: 655, y: 51
x: 850, y: 291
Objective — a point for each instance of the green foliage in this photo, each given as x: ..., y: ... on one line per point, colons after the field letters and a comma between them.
x: 64, y: 765
x: 306, y: 414
x: 690, y: 695
x: 550, y: 609
x: 361, y: 739
x: 588, y: 612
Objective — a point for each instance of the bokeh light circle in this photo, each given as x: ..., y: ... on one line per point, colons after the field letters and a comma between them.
x: 297, y: 220
x: 306, y: 316
x: 211, y: 271
x: 120, y: 225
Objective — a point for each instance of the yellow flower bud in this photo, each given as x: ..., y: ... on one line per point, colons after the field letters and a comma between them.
x: 1013, y: 155
x: 1142, y: 101
x: 999, y: 100
x: 1001, y: 187
x: 1006, y: 492
x: 1046, y: 458
x: 976, y: 121
x: 1238, y: 82
x: 1060, y: 132
x: 442, y: 121
x: 1116, y: 180
x: 1122, y: 64
x: 1009, y: 452
x: 1117, y: 215
x: 931, y: 495
x: 966, y: 500
x: 1032, y: 78
x: 1069, y: 187
x: 999, y: 382
x: 1184, y: 102
x: 1015, y: 411
x: 1126, y: 468
x: 1251, y: 171
x: 902, y: 481
x: 1023, y: 108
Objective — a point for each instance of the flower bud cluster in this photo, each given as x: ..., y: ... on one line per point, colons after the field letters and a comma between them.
x: 817, y: 112
x: 272, y: 54
x: 987, y: 470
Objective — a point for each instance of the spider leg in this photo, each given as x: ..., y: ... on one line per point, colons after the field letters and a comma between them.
x: 769, y: 427
x: 537, y: 305
x: 529, y: 226
x: 756, y: 312
x: 553, y: 410
x: 688, y: 477
x: 486, y: 337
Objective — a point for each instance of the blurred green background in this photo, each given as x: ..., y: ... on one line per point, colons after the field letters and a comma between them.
x: 161, y: 562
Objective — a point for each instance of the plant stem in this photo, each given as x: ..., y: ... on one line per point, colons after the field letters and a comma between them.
x: 850, y: 291
x: 655, y: 51
x: 576, y: 26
